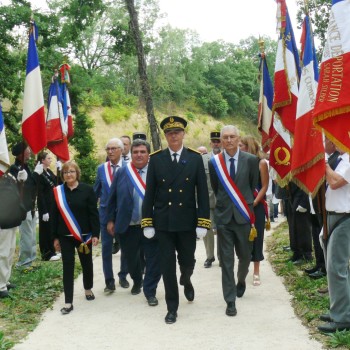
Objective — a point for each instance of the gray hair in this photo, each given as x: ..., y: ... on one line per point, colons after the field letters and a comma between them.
x: 117, y: 141
x: 229, y: 128
x: 140, y: 142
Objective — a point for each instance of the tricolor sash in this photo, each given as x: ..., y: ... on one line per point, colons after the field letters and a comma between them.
x: 136, y: 180
x: 107, y: 173
x: 70, y: 220
x: 233, y: 192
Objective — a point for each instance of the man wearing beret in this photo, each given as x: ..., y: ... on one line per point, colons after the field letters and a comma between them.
x: 170, y: 210
x: 27, y: 230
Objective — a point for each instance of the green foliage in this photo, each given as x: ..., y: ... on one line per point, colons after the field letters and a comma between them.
x: 116, y: 114
x: 212, y: 102
x: 84, y: 144
x: 339, y: 339
x: 5, y: 344
x: 190, y: 116
x: 118, y: 97
x: 90, y: 99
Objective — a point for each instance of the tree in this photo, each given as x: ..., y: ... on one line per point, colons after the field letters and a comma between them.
x: 146, y: 90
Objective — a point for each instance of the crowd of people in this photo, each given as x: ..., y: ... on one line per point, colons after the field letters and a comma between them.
x: 155, y: 207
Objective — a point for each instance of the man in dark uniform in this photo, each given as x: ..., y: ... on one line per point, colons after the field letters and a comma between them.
x: 170, y: 211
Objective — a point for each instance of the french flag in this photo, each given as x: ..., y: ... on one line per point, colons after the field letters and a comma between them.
x: 265, y: 104
x: 332, y: 106
x: 33, y: 119
x: 308, y: 163
x: 4, y: 154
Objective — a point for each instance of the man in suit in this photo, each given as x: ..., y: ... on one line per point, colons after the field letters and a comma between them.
x: 209, y: 241
x: 233, y: 173
x: 170, y: 211
x: 124, y: 218
x: 126, y: 151
x: 104, y: 179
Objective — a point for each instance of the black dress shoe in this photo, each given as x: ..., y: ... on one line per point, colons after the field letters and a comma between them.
x: 66, y: 310
x: 231, y: 309
x: 311, y: 269
x: 240, y: 289
x: 4, y: 294
x: 189, y: 292
x: 90, y: 297
x: 318, y: 274
x: 10, y: 285
x: 209, y: 262
x: 136, y: 289
x: 326, y: 318
x: 152, y: 301
x: 333, y: 327
x: 123, y: 282
x: 110, y: 287
x: 115, y: 247
x: 170, y: 317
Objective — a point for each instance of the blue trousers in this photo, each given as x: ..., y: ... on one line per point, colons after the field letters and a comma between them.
x: 107, y: 245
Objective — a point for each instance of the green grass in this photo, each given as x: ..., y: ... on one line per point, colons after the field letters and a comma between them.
x: 307, y: 302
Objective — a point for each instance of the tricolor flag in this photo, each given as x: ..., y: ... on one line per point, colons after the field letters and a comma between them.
x: 308, y: 164
x: 287, y: 72
x: 265, y: 103
x: 56, y: 126
x: 332, y: 106
x: 4, y: 154
x: 33, y: 119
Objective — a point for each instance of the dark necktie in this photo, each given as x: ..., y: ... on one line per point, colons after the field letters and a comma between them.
x: 125, y: 158
x: 232, y: 169
x: 114, y: 168
x: 175, y: 155
x: 335, y: 164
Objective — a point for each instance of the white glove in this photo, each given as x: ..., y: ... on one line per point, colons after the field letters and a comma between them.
x: 59, y: 165
x: 22, y: 175
x: 300, y: 209
x: 46, y: 217
x: 201, y: 232
x: 39, y: 169
x: 149, y: 232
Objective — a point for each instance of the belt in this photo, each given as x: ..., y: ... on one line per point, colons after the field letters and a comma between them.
x: 136, y: 226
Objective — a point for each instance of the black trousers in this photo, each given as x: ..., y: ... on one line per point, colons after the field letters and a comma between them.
x: 68, y: 247
x: 184, y: 244
x: 45, y: 240
x: 319, y: 255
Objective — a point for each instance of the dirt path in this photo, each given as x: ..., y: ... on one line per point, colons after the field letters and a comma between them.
x: 265, y: 318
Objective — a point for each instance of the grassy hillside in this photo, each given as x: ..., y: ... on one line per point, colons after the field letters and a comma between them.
x: 197, y: 133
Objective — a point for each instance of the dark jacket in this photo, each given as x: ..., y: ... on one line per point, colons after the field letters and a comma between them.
x: 83, y: 204
x: 170, y: 198
x: 47, y: 181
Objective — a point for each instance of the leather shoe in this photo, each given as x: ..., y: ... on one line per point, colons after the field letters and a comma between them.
x: 123, y: 282
x: 66, y: 310
x: 326, y: 318
x: 152, y: 301
x: 90, y: 297
x: 317, y: 274
x: 170, y: 317
x: 311, y: 270
x: 136, y: 289
x: 189, y: 292
x: 209, y: 262
x: 240, y: 289
x: 10, y: 285
x: 231, y: 309
x: 110, y: 287
x: 115, y: 247
x: 333, y: 327
x: 323, y: 290
x: 4, y: 294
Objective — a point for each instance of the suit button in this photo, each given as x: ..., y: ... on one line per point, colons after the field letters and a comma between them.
x: 169, y: 189
x: 180, y: 191
x: 180, y: 204
x: 163, y: 180
x: 169, y: 203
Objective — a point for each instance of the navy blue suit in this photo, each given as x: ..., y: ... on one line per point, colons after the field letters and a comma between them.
x: 119, y: 210
x: 102, y: 189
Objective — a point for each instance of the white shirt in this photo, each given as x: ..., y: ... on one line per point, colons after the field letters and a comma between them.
x: 339, y: 200
x: 228, y: 157
x: 178, y: 154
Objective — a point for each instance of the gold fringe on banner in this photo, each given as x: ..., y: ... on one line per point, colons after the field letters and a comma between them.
x: 83, y: 248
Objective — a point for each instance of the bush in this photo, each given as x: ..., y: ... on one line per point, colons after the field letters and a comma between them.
x: 116, y: 114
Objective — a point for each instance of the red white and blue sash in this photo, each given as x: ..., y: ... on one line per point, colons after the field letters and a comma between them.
x: 68, y: 217
x: 263, y: 201
x: 108, y: 173
x: 232, y: 190
x: 136, y: 180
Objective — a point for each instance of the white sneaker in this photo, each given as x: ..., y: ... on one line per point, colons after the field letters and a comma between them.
x: 55, y: 258
x: 59, y: 254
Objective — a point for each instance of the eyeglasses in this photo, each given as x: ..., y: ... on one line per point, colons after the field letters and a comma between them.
x: 69, y: 172
x: 113, y: 149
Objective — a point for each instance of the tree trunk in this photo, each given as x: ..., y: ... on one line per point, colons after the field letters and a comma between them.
x: 146, y: 90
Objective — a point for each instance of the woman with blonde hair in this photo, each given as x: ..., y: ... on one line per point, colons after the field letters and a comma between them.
x: 250, y: 144
x: 75, y: 226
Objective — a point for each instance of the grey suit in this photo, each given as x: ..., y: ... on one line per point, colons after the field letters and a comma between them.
x: 233, y: 229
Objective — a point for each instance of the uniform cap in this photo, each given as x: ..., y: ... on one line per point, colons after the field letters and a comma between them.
x: 139, y: 135
x: 215, y: 135
x: 19, y: 148
x: 173, y: 123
